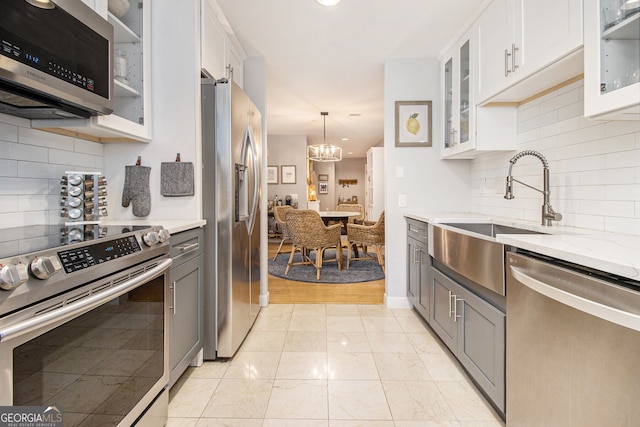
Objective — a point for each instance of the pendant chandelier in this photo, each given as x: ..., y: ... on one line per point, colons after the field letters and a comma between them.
x: 324, y: 152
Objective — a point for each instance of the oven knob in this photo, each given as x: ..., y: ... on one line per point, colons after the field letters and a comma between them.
x: 151, y: 238
x: 164, y: 235
x: 45, y: 267
x: 12, y: 276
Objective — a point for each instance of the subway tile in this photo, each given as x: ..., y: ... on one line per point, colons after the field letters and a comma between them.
x: 8, y: 203
x: 622, y: 143
x: 44, y: 139
x: 583, y: 135
x: 622, y: 159
x: 547, y: 118
x: 624, y: 209
x: 23, y: 186
x: 16, y: 151
x: 580, y: 164
x: 607, y: 176
x: 36, y: 202
x: 15, y: 121
x: 621, y: 192
x: 88, y: 147
x: 560, y: 127
x: 8, y: 168
x: 575, y: 109
x: 557, y: 102
x: 72, y: 160
x: 8, y: 132
x: 621, y: 127
x: 39, y: 170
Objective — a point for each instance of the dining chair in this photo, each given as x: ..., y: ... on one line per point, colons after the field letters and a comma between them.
x: 366, y: 236
x: 279, y: 214
x: 308, y: 233
x: 352, y: 207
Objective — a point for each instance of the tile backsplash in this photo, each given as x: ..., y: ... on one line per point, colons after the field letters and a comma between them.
x: 31, y: 165
x: 594, y: 167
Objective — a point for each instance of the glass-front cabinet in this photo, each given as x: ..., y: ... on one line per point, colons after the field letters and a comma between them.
x: 456, y: 82
x: 612, y: 59
x: 131, y: 119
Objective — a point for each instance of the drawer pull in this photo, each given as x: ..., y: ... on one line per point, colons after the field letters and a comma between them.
x: 188, y: 248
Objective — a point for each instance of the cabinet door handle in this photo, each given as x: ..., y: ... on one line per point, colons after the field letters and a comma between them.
x: 455, y: 307
x: 506, y: 62
x: 172, y: 307
x: 451, y: 295
x: 514, y: 49
x: 418, y: 256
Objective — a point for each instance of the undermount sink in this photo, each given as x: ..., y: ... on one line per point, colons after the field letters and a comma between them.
x: 491, y: 230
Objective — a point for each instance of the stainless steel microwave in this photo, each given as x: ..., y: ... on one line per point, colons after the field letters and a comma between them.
x: 56, y: 60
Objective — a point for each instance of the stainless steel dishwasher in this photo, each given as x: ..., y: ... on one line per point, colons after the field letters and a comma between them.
x: 573, y: 345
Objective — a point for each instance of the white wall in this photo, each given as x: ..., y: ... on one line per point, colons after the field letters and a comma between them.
x: 428, y: 183
x: 288, y: 150
x: 31, y: 165
x: 350, y: 169
x: 594, y: 165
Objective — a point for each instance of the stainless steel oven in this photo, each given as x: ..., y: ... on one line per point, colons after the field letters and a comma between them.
x: 84, y: 324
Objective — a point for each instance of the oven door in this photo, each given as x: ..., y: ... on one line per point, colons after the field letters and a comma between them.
x: 98, y: 352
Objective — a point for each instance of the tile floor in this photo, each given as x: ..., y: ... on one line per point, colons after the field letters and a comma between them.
x: 305, y: 365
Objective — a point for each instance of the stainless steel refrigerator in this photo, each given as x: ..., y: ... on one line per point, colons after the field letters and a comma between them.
x: 231, y: 149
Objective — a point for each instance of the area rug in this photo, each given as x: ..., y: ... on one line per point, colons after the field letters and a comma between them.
x: 359, y: 270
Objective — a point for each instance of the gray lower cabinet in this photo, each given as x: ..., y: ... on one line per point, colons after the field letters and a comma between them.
x: 185, y: 301
x: 418, y: 286
x: 474, y: 331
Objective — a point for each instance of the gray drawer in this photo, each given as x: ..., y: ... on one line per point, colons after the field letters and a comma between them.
x: 418, y: 230
x: 186, y: 245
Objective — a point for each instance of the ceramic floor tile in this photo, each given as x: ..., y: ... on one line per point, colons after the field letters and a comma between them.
x: 309, y: 310
x: 425, y: 342
x: 278, y: 309
x: 190, y: 397
x: 381, y: 324
x: 264, y: 341
x: 272, y: 322
x: 411, y: 324
x: 417, y: 401
x: 382, y: 342
x: 357, y: 400
x: 302, y: 366
x: 342, y: 310
x: 352, y: 366
x: 427, y: 424
x: 239, y: 398
x: 360, y: 423
x: 229, y: 422
x: 345, y: 324
x: 298, y: 399
x: 441, y: 367
x: 305, y: 341
x: 181, y: 422
x: 401, y: 366
x: 403, y: 312
x: 209, y: 369
x: 295, y: 423
x: 466, y: 404
x: 374, y: 310
x: 253, y: 364
x: 482, y: 423
x: 349, y: 342
x: 308, y: 323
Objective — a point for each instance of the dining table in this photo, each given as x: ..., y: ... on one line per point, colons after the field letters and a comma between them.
x: 342, y: 216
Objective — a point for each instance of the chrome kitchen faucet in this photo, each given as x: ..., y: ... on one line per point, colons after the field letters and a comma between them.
x: 548, y: 214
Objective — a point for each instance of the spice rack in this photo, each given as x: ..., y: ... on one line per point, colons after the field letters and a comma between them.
x: 83, y: 197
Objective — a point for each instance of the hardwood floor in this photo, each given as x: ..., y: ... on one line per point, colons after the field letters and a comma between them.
x: 283, y: 291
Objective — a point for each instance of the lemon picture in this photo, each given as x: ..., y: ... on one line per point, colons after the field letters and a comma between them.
x: 413, y: 125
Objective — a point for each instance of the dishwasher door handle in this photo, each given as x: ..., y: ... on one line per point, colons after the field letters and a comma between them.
x: 602, y: 311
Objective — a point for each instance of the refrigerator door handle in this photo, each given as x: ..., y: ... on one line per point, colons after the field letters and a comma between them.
x: 249, y: 150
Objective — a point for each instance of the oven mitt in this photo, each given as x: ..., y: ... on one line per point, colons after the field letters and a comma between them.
x: 136, y: 189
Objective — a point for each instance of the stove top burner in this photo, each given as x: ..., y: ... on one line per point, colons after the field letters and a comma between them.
x: 22, y: 240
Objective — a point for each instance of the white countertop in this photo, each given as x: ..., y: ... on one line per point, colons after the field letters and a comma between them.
x: 610, y: 252
x: 173, y: 225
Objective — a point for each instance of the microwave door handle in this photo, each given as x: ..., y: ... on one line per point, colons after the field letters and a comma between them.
x: 68, y: 312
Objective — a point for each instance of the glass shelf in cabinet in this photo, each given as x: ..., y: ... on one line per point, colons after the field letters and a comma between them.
x: 628, y: 29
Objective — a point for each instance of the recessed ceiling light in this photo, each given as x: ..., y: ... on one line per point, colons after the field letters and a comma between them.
x: 345, y: 139
x: 328, y: 2
x: 349, y: 152
x: 355, y: 114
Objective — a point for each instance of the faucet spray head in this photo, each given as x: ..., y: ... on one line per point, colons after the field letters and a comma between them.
x: 509, y: 188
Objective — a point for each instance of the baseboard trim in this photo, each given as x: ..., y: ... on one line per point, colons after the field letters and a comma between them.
x: 264, y: 300
x: 396, y: 302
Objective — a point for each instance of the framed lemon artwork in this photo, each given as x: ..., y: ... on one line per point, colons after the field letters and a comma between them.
x: 413, y: 124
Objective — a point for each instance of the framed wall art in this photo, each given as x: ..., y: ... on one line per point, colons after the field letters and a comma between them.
x: 272, y: 174
x: 288, y: 174
x: 413, y: 124
x: 323, y: 177
x: 323, y: 187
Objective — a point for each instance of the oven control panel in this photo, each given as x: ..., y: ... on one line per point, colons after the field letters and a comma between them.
x: 78, y: 259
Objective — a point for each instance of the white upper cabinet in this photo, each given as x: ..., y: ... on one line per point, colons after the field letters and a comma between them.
x: 469, y: 130
x: 221, y: 57
x: 131, y: 119
x: 612, y: 59
x: 518, y: 39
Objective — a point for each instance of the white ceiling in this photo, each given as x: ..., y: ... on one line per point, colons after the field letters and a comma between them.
x: 332, y: 58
